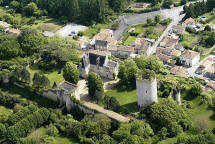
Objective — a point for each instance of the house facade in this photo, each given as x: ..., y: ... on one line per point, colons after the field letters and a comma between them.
x: 190, y: 58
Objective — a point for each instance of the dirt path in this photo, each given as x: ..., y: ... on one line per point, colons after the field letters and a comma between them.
x: 111, y: 114
x: 86, y: 100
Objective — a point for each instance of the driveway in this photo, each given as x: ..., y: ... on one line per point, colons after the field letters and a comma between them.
x: 66, y: 30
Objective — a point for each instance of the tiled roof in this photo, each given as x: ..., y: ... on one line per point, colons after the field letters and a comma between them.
x: 168, y: 42
x: 189, y: 20
x: 121, y: 48
x: 180, y: 71
x: 106, y: 35
x: 189, y: 54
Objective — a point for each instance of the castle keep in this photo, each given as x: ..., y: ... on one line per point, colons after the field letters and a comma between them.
x: 146, y: 90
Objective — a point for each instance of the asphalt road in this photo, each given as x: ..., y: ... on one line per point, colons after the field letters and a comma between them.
x: 136, y: 19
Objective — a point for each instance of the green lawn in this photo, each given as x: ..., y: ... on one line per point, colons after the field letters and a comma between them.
x: 189, y: 39
x: 127, y: 99
x: 130, y: 40
x: 91, y: 31
x: 53, y: 76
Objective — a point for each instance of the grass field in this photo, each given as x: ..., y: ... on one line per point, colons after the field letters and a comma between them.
x: 127, y: 99
x: 190, y: 39
x: 91, y: 31
x: 53, y: 76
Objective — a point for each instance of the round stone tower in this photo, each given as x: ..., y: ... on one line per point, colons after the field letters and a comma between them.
x: 146, y: 90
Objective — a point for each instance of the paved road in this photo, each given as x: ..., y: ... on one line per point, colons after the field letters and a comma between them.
x: 135, y: 19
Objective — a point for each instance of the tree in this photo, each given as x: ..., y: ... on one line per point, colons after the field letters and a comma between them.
x: 15, y: 5
x: 195, y: 90
x: 149, y: 21
x: 30, y: 39
x: 94, y: 83
x: 9, y: 49
x: 127, y: 73
x: 174, y: 129
x: 158, y: 18
x: 30, y: 9
x: 45, y: 83
x: 2, y: 130
x: 114, y: 104
x: 151, y: 63
x: 25, y: 75
x: 165, y: 112
x: 71, y: 73
x: 36, y: 80
x: 207, y: 28
x: 97, y: 96
x: 58, y: 51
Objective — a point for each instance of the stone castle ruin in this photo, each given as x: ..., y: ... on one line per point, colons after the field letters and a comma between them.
x: 146, y: 89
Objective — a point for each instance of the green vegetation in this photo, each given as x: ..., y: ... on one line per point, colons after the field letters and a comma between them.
x: 126, y: 99
x: 151, y: 30
x: 91, y: 31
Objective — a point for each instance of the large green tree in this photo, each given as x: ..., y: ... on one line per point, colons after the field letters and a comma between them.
x: 94, y: 83
x: 71, y: 73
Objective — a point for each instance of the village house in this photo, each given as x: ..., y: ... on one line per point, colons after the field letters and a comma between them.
x: 191, y: 23
x: 121, y: 51
x: 177, y: 29
x: 190, y: 58
x: 180, y: 71
x: 103, y: 39
x: 210, y: 86
x: 142, y: 46
x: 168, y: 42
x: 206, y: 63
x: 210, y: 73
x: 188, y: 21
x: 98, y: 62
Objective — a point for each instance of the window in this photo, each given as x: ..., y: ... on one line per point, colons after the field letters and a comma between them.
x: 146, y: 91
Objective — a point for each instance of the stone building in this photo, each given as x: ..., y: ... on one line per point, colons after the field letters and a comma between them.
x: 63, y: 92
x: 121, y: 51
x: 98, y: 62
x: 146, y: 90
x: 143, y: 46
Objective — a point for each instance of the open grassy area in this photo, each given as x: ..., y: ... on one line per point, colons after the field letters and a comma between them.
x: 91, y: 31
x: 53, y: 76
x: 48, y: 24
x: 127, y: 99
x: 142, y: 30
x: 189, y: 39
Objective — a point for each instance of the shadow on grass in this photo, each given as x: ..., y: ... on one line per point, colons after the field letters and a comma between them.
x: 129, y: 108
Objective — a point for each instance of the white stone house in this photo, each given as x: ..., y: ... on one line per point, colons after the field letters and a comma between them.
x: 98, y: 62
x: 143, y: 46
x: 190, y: 58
